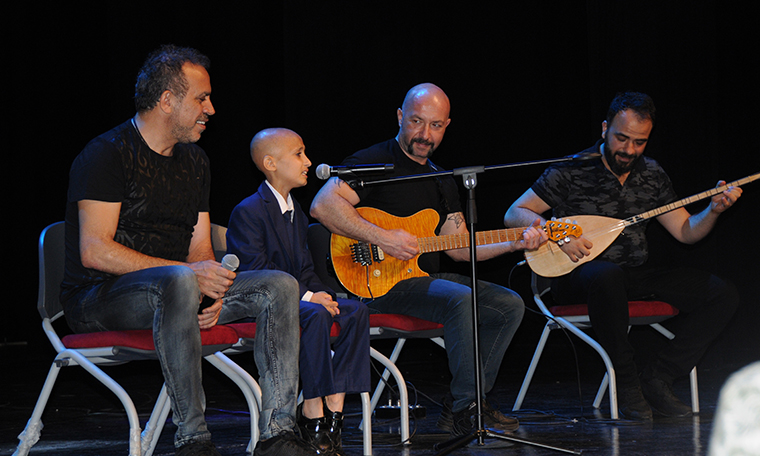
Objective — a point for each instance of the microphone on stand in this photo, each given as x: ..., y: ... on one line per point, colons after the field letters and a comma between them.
x: 324, y: 171
x: 230, y: 262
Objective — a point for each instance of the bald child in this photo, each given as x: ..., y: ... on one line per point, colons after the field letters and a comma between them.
x: 267, y: 230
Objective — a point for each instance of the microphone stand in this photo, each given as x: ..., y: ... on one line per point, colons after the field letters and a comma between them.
x: 352, y: 180
x: 470, y: 181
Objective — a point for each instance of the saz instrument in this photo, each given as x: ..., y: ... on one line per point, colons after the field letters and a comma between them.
x: 364, y: 269
x: 550, y: 261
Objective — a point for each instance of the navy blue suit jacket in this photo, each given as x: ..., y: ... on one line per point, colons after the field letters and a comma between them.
x: 257, y: 234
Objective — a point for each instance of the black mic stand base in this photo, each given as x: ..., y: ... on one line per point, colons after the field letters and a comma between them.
x: 481, y: 434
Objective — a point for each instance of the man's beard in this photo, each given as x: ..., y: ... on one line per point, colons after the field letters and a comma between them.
x: 184, y: 134
x: 410, y: 147
x: 618, y: 169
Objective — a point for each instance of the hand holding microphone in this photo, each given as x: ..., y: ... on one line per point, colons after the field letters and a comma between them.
x: 230, y: 262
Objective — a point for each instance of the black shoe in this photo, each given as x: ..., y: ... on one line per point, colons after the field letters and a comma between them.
x: 203, y: 448
x: 446, y: 419
x: 632, y: 405
x: 335, y: 426
x: 286, y: 444
x: 315, y: 431
x: 659, y: 394
x: 492, y: 418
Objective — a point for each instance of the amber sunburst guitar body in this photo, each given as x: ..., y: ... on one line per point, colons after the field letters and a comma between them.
x: 549, y: 261
x: 364, y: 269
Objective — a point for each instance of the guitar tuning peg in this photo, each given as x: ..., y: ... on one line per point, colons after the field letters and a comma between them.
x: 554, y: 219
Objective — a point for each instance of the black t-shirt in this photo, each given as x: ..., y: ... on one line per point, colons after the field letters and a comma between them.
x: 407, y: 197
x: 160, y: 198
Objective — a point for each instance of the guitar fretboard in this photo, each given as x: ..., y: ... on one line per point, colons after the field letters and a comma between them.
x: 458, y: 241
x: 691, y: 199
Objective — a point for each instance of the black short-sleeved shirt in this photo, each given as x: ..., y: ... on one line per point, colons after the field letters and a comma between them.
x: 406, y: 198
x: 160, y: 198
x: 588, y: 188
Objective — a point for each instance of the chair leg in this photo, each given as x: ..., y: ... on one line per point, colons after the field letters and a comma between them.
x: 532, y: 367
x: 367, y: 424
x: 156, y: 422
x: 31, y: 433
x: 605, y: 357
x: 602, y: 390
x: 247, y: 385
x: 603, y: 387
x: 692, y: 375
x: 694, y: 390
x: 386, y: 373
x: 390, y: 368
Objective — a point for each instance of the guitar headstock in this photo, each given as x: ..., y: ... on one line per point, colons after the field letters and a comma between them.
x: 558, y: 230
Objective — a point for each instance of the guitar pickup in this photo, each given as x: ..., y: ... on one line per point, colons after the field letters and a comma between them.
x: 365, y: 254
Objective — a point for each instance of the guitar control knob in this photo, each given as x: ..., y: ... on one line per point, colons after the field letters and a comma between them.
x: 376, y: 273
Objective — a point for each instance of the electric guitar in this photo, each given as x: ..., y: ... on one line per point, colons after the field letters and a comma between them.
x: 364, y: 269
x: 550, y: 261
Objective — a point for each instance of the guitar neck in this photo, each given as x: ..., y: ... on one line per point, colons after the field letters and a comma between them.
x: 691, y: 199
x: 458, y: 241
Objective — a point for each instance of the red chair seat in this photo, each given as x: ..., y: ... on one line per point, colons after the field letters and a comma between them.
x: 636, y: 309
x: 142, y: 339
x: 248, y: 330
x: 402, y: 322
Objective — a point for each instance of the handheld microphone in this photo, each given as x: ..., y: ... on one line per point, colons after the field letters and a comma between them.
x: 325, y: 171
x: 230, y: 262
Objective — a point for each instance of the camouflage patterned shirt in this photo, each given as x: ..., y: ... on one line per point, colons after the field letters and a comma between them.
x: 588, y: 188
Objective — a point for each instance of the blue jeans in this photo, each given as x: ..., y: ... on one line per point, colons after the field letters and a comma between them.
x: 166, y: 300
x: 447, y: 299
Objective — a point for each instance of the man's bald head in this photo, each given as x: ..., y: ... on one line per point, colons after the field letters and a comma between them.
x: 428, y: 94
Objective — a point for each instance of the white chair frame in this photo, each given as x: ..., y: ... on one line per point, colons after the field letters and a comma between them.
x: 141, y: 443
x: 575, y: 325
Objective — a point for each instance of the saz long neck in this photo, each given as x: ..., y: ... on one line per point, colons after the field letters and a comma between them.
x: 691, y: 199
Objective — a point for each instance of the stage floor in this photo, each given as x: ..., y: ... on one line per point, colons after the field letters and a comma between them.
x: 83, y: 418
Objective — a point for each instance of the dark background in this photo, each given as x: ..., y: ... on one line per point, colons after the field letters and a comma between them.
x: 527, y: 80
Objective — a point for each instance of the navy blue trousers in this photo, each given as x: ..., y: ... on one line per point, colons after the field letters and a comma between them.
x: 340, y: 366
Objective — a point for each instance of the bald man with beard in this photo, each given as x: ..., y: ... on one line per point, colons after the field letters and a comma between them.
x: 441, y: 297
